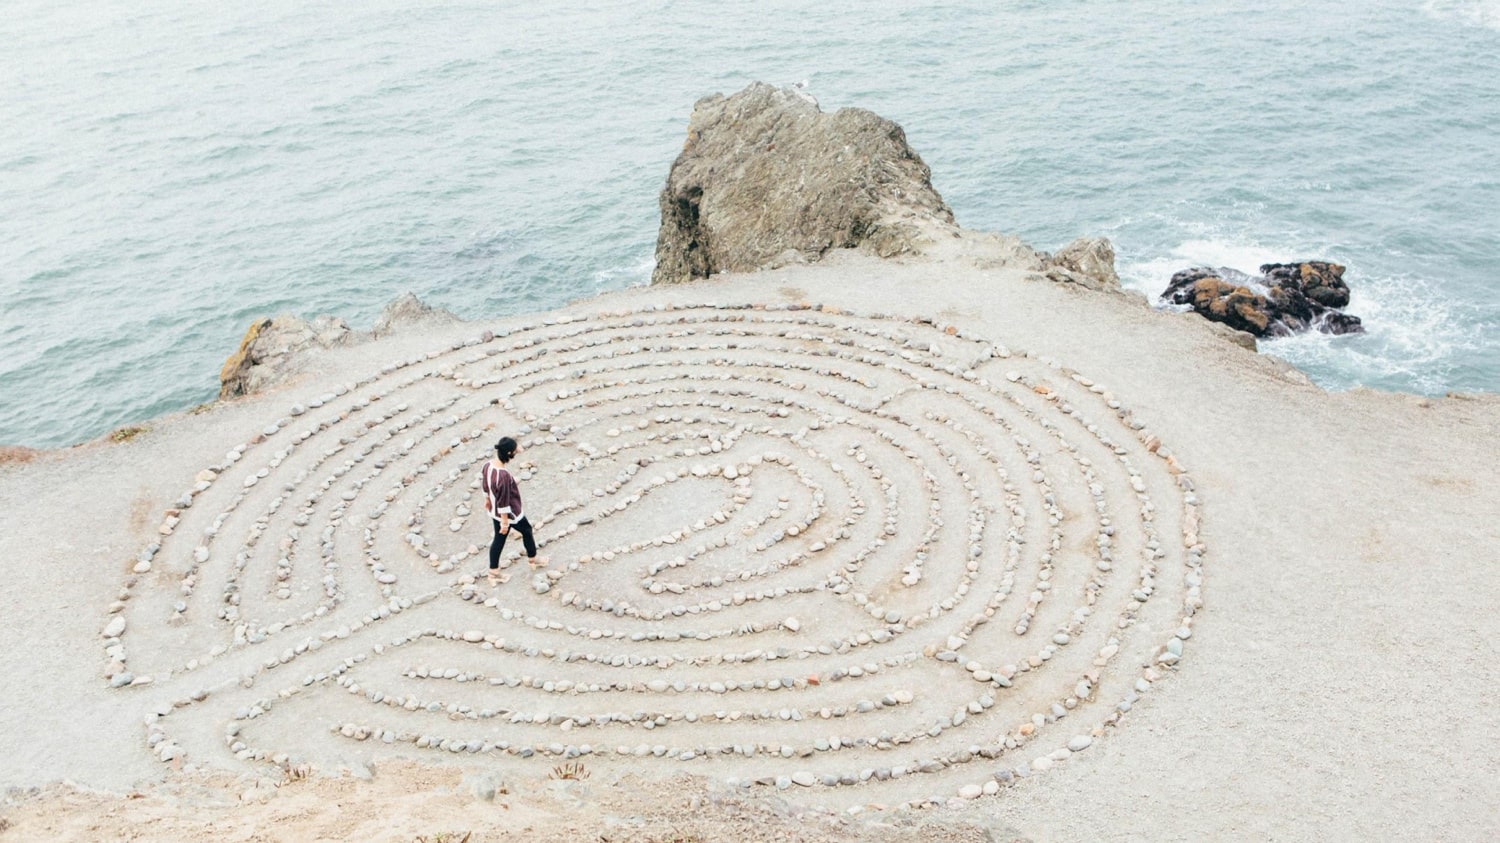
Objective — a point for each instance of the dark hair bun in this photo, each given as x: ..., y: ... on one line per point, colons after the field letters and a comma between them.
x: 506, y: 448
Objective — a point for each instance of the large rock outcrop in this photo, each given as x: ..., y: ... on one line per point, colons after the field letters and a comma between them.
x: 272, y: 349
x: 1287, y: 298
x: 267, y: 351
x: 767, y: 179
x: 1087, y: 261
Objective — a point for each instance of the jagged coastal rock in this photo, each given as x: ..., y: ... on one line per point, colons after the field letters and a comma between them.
x: 1087, y: 261
x: 767, y: 179
x: 267, y: 351
x: 272, y: 349
x: 1287, y: 298
x: 406, y: 310
x: 1320, y: 281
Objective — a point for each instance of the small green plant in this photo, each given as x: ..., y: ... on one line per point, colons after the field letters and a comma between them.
x: 444, y: 837
x: 125, y: 434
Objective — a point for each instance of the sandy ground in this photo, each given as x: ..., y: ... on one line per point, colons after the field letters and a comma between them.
x: 1337, y: 683
x: 408, y: 802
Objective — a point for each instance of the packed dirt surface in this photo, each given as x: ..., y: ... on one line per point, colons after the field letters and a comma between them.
x: 410, y: 802
x: 861, y: 550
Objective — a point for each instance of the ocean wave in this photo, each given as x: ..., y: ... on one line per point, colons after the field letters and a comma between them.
x: 635, y: 273
x: 1417, y: 338
x: 1150, y: 274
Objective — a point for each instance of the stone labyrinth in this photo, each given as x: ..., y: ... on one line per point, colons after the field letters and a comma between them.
x: 873, y: 560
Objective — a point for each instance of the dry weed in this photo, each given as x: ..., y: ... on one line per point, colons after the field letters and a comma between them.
x: 571, y: 771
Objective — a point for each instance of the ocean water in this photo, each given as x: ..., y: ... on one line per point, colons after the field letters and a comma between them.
x: 170, y: 171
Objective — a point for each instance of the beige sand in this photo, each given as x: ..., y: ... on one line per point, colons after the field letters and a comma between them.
x: 1336, y: 684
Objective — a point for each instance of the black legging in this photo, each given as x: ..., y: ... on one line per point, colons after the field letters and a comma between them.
x: 521, y: 525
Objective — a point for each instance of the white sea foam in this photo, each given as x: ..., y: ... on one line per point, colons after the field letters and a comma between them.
x: 1413, y: 333
x: 1413, y: 337
x: 1485, y: 13
x: 634, y: 274
x: 1150, y: 274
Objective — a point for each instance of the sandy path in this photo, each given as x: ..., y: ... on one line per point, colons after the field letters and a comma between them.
x: 925, y: 545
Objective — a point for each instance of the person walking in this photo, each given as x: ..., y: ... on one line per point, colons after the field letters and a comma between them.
x: 502, y: 500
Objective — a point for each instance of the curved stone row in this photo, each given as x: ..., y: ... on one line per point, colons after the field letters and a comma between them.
x: 779, y: 538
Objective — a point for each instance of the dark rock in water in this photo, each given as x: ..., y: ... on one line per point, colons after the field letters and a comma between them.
x: 1318, y: 280
x: 767, y: 179
x: 1287, y: 298
x: 1206, y: 291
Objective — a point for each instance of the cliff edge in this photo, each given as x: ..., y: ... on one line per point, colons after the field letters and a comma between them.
x: 275, y: 348
x: 865, y: 549
x: 767, y: 179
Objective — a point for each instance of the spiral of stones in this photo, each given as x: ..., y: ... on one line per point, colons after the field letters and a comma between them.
x: 877, y: 559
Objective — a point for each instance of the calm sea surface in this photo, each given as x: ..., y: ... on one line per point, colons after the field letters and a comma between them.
x: 170, y: 171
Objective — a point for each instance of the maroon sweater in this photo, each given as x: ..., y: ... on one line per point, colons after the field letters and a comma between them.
x: 502, y: 495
